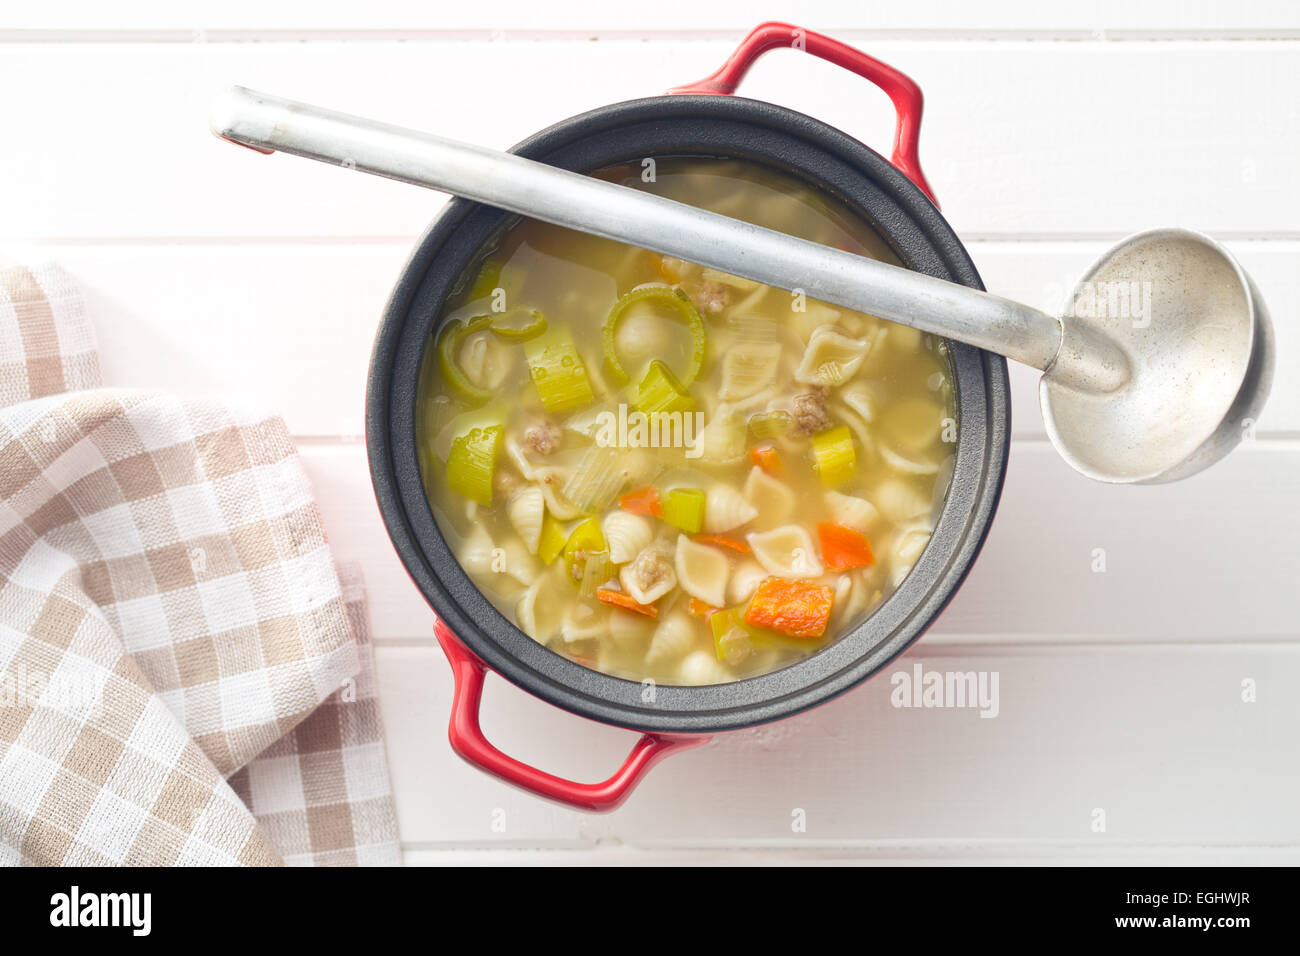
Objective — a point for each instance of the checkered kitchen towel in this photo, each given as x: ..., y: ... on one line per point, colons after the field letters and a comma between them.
x: 185, y: 677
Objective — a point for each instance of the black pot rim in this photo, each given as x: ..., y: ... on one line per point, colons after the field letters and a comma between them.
x: 712, y: 126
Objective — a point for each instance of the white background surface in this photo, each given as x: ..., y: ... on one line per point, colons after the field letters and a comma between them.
x: 1050, y: 131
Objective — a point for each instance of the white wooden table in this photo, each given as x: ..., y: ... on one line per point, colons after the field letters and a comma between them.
x: 1050, y: 131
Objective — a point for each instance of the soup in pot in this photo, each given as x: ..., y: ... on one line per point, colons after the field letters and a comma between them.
x: 665, y: 472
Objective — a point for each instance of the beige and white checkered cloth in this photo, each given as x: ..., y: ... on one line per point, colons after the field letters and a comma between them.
x: 185, y: 677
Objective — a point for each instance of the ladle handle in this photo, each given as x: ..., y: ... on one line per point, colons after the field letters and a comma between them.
x: 642, y: 219
x: 898, y: 86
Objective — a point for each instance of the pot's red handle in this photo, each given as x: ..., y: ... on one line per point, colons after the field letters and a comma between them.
x: 468, y: 741
x: 901, y: 89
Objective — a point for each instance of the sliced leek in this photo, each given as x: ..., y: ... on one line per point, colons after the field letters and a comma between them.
x: 557, y: 370
x: 517, y: 325
x: 471, y: 466
x: 684, y: 508
x: 834, y: 457
x: 661, y: 391
x: 552, y: 540
x: 586, y: 539
x: 448, y: 345
x: 679, y: 305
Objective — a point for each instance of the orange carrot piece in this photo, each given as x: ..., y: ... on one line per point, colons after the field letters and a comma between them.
x: 767, y: 458
x: 643, y: 502
x: 843, y: 548
x: 619, y: 599
x: 724, y: 541
x: 793, y: 608
x: 700, y: 608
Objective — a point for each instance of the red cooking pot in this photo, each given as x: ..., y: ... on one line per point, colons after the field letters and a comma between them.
x: 701, y: 119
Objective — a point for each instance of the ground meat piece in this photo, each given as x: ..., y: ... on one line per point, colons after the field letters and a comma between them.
x: 505, y: 483
x: 712, y: 297
x: 542, y: 437
x: 645, y: 578
x: 809, y: 411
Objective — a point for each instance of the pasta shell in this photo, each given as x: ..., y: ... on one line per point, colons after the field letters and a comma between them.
x: 831, y: 358
x: 772, y: 499
x: 739, y: 283
x: 672, y: 638
x: 748, y: 368
x: 626, y: 535
x: 851, y: 598
x: 539, y: 617
x: 650, y: 575
x: 526, y: 510
x: 486, y: 362
x: 901, y: 501
x: 551, y: 480
x: 722, y: 440
x: 910, y: 545
x: 859, y: 398
x: 904, y: 339
x: 786, y: 552
x: 583, y: 622
x: 642, y: 334
x: 815, y: 315
x: 702, y: 571
x: 856, y: 513
x: 749, y: 327
x: 702, y: 667
x: 477, y: 551
x: 515, y: 451
x: 513, y: 559
x: 913, y: 425
x: 726, y: 508
x: 904, y: 465
x: 744, y: 580
x: 630, y: 630
x: 639, y: 467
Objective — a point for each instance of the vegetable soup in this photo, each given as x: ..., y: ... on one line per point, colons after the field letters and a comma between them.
x: 662, y: 471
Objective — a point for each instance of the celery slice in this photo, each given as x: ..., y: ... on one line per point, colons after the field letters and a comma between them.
x: 771, y: 424
x: 558, y: 371
x: 660, y: 391
x: 596, y: 481
x: 471, y: 465
x: 684, y: 508
x: 834, y: 457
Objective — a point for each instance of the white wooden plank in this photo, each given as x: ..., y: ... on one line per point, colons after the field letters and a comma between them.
x: 1158, y: 738
x: 884, y: 854
x: 180, y: 317
x: 1193, y: 560
x: 680, y: 16
x: 1065, y: 139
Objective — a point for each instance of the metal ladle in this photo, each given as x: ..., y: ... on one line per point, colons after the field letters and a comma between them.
x: 1159, y: 367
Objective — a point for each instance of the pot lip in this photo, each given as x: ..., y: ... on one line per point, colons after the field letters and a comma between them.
x: 983, y: 447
